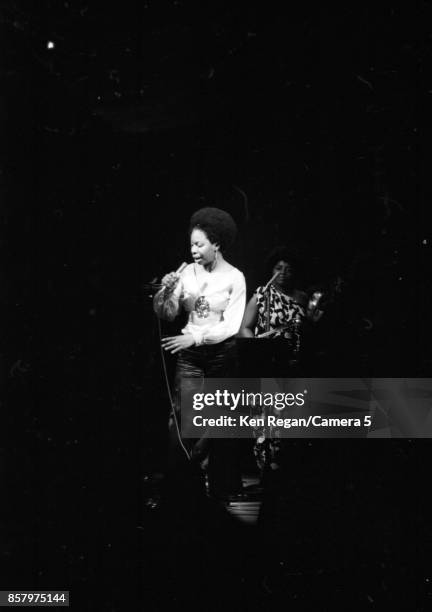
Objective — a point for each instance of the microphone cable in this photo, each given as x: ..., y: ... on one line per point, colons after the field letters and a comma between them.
x: 171, y: 400
x: 173, y: 410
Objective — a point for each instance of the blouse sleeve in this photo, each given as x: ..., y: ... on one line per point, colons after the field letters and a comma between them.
x: 232, y: 316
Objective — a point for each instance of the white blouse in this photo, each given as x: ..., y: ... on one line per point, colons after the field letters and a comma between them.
x: 215, y: 302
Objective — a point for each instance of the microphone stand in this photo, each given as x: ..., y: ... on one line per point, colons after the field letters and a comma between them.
x: 267, y: 301
x: 267, y: 434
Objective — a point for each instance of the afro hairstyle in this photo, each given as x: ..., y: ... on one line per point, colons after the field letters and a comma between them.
x: 217, y: 224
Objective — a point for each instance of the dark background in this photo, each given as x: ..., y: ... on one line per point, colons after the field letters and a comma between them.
x: 305, y: 124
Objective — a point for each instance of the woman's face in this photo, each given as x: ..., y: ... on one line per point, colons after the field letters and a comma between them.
x: 286, y: 273
x: 203, y: 251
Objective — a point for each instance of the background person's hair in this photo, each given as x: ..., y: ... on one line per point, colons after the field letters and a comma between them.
x: 217, y: 224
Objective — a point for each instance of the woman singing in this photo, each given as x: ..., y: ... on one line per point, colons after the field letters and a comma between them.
x: 213, y: 293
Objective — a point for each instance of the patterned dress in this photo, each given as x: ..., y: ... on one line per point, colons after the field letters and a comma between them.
x: 282, y: 312
x: 276, y: 311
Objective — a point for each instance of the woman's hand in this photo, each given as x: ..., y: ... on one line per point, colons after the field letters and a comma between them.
x: 169, y: 281
x: 177, y: 343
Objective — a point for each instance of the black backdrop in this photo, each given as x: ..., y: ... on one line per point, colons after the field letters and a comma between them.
x: 305, y: 124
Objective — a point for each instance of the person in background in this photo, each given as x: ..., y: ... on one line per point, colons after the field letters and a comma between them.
x: 278, y: 316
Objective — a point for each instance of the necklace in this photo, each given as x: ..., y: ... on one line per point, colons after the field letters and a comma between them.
x: 201, y: 306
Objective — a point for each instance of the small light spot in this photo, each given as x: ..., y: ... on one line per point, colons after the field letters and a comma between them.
x: 424, y: 241
x: 50, y: 44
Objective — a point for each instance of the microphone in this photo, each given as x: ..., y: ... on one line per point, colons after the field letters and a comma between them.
x: 271, y: 280
x: 177, y: 272
x: 153, y: 284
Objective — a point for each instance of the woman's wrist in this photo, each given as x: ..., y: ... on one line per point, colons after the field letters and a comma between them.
x: 198, y: 337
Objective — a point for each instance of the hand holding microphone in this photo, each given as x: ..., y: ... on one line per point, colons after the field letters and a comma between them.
x: 169, y: 281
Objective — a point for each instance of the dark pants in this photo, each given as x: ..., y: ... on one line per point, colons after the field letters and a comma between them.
x: 194, y: 364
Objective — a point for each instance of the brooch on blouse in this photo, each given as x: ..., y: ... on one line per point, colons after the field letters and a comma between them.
x: 202, y: 307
